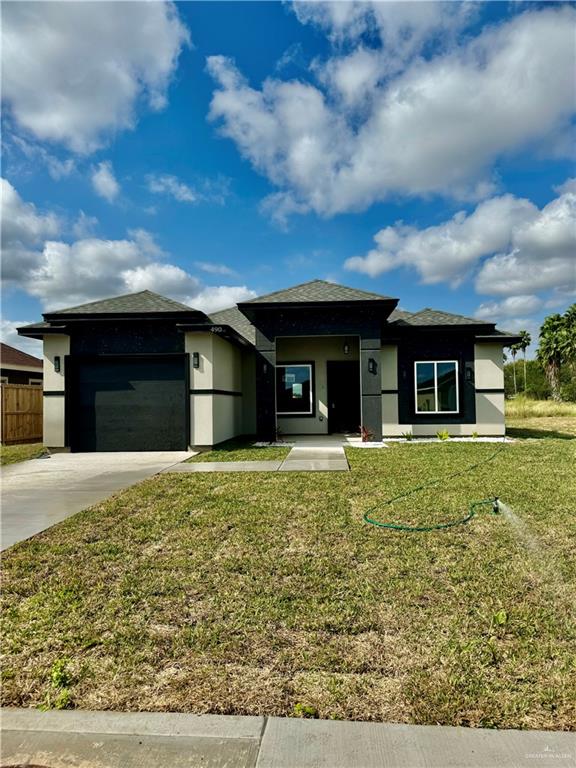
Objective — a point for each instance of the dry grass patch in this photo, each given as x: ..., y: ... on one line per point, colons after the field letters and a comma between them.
x: 268, y: 594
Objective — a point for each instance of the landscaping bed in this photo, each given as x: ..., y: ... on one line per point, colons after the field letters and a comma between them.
x: 268, y: 594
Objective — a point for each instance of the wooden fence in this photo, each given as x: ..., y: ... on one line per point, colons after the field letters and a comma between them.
x: 21, y: 413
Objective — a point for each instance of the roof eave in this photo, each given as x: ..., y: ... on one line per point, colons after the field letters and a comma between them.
x: 221, y: 330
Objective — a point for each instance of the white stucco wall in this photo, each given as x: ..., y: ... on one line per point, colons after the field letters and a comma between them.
x: 319, y: 350
x: 214, y: 417
x: 54, y: 406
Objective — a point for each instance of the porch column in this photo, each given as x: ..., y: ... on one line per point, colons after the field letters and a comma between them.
x: 265, y: 387
x: 370, y: 370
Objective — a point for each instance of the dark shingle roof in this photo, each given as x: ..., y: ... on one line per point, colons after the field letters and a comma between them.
x: 12, y: 356
x: 236, y: 320
x: 137, y: 303
x: 317, y: 291
x: 436, y: 317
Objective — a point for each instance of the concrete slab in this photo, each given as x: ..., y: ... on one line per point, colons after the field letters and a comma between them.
x: 315, y: 465
x: 39, y: 493
x: 128, y: 740
x: 287, y: 743
x: 315, y: 458
x: 227, y: 466
x: 151, y: 740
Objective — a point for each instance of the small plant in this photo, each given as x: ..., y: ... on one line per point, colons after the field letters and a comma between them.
x: 443, y: 434
x: 59, y: 695
x: 366, y: 433
x: 306, y: 711
x: 474, y: 435
x: 500, y: 617
x: 408, y: 436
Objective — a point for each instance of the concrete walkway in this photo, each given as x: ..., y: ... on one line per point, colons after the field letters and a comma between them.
x: 300, y: 459
x: 37, y: 494
x: 157, y: 740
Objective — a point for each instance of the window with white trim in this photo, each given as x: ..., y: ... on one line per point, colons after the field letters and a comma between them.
x: 294, y: 390
x: 436, y: 386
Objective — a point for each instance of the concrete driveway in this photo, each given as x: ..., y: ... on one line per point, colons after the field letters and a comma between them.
x: 37, y: 494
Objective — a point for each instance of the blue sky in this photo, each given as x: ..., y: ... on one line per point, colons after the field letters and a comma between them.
x: 215, y: 151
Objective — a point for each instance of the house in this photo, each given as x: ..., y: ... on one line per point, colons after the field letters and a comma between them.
x: 144, y: 372
x: 17, y: 367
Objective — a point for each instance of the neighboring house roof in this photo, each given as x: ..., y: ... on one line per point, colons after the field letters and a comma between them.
x: 317, y: 291
x: 10, y: 356
x: 132, y: 303
x: 236, y: 320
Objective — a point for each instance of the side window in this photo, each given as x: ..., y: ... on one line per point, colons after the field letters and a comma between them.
x: 436, y: 384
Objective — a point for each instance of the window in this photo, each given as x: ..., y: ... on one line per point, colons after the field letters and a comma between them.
x: 436, y: 386
x: 294, y: 390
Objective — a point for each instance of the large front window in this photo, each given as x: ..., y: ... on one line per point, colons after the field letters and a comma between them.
x: 294, y: 390
x: 436, y: 386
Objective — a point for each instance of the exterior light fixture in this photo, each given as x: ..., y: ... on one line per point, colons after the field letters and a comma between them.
x: 57, y: 364
x: 346, y: 349
x: 196, y: 360
x: 371, y: 365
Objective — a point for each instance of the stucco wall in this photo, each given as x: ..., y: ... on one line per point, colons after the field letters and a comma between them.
x: 319, y: 350
x: 54, y: 405
x: 215, y: 412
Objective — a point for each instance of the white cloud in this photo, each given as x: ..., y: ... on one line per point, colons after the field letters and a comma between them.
x: 171, y: 185
x: 205, y: 191
x: 166, y: 279
x: 61, y: 274
x: 75, y: 73
x: 447, y: 252
x: 541, y: 255
x: 104, y: 181
x: 512, y: 307
x: 23, y: 231
x: 221, y: 296
x: 84, y: 226
x: 515, y: 251
x: 435, y: 128
x: 9, y: 335
x: 57, y: 168
x: 213, y: 268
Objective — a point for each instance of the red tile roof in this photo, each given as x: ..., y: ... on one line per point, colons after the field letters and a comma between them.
x: 11, y: 356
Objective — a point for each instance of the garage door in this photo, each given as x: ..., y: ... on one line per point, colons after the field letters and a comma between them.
x: 128, y: 404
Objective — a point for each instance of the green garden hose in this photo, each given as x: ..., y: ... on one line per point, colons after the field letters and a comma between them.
x: 493, y: 502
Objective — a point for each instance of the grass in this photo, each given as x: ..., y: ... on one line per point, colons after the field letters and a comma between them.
x: 10, y: 454
x: 242, y: 449
x: 528, y: 418
x: 267, y: 594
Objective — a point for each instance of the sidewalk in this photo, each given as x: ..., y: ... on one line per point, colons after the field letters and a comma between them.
x: 174, y: 740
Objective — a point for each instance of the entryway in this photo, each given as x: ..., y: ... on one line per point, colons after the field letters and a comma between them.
x: 343, y: 389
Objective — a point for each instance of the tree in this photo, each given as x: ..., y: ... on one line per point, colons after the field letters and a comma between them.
x: 557, y: 346
x: 525, y: 342
x: 514, y: 349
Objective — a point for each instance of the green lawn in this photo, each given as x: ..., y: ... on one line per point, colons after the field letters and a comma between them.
x: 10, y: 454
x: 242, y: 449
x: 267, y: 594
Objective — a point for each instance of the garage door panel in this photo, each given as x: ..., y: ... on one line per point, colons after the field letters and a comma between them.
x: 130, y: 405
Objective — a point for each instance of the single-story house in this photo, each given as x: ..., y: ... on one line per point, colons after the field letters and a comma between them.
x: 144, y: 372
x: 17, y: 367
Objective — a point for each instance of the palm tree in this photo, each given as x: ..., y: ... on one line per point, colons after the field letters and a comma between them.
x: 551, y: 350
x: 525, y: 341
x: 514, y: 349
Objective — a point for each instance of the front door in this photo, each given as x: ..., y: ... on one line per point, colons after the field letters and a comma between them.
x: 343, y: 396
